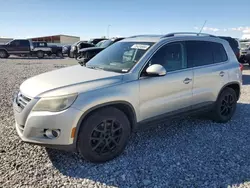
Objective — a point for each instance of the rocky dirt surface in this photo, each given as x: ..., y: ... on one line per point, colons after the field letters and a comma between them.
x: 190, y: 152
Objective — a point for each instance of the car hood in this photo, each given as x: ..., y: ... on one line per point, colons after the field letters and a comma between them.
x: 2, y: 45
x: 74, y: 79
x: 90, y: 49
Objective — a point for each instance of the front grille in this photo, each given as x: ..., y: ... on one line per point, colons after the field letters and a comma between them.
x: 22, y: 100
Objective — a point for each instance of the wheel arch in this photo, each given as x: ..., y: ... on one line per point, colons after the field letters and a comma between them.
x: 234, y: 85
x: 124, y: 106
x: 4, y: 50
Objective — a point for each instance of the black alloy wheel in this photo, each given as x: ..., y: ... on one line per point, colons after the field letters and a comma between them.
x: 103, y: 135
x: 106, y: 136
x: 227, y: 105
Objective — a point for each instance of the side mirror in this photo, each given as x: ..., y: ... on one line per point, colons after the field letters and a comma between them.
x: 156, y: 70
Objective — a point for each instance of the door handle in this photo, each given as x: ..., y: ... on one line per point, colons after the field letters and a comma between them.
x: 187, y: 80
x: 222, y: 73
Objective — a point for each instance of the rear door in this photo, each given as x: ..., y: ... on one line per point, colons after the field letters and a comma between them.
x: 24, y: 46
x: 209, y: 60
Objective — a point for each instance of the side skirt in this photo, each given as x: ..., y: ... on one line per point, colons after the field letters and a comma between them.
x: 184, y: 112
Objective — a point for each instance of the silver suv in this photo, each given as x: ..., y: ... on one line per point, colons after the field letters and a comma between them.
x: 93, y: 109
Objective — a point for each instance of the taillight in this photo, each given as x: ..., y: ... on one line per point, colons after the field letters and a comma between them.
x: 241, y: 67
x: 237, y: 55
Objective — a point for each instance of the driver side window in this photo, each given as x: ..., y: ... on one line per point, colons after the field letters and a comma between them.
x: 170, y: 56
x: 15, y: 43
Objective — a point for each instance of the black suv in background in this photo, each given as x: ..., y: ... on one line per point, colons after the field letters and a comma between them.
x: 84, y: 55
x: 96, y: 40
x: 234, y: 45
x: 66, y: 50
x: 77, y: 46
x: 55, y: 49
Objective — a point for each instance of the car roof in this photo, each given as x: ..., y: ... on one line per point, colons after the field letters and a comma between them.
x: 171, y: 36
x: 143, y: 38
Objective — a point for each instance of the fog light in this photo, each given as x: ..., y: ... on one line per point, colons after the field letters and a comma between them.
x: 52, y: 133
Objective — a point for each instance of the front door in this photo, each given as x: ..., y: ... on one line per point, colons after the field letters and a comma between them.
x: 170, y: 93
x: 14, y: 46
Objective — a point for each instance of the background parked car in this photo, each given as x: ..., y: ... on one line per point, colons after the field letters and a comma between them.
x: 56, y: 50
x: 235, y: 45
x: 79, y: 45
x: 96, y: 40
x: 66, y: 50
x: 245, y: 56
x: 87, y: 53
x: 23, y: 47
x: 245, y: 52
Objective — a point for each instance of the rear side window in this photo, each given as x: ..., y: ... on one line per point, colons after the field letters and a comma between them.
x: 199, y: 53
x: 219, y: 52
x: 15, y: 43
x: 233, y: 43
x: 41, y: 44
x: 24, y: 43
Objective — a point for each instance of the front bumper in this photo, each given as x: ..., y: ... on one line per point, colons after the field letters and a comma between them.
x: 31, y: 127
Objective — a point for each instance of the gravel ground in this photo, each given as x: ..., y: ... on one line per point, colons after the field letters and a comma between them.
x: 192, y: 152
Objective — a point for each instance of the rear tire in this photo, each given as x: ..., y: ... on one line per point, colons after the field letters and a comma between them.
x: 225, y: 106
x: 59, y: 54
x: 103, y: 135
x: 40, y: 54
x: 3, y: 54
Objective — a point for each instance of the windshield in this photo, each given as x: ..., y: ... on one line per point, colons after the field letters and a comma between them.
x: 106, y: 43
x: 100, y: 43
x: 9, y: 42
x: 120, y: 57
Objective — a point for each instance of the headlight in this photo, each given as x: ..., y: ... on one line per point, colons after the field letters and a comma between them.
x: 55, y: 104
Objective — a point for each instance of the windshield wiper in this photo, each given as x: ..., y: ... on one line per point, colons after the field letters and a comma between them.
x: 96, y: 68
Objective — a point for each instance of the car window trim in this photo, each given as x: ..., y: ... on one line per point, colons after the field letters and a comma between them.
x: 166, y: 43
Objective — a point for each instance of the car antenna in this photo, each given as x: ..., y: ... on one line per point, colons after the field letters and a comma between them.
x: 202, y: 27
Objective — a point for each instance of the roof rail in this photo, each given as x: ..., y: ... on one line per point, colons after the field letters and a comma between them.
x: 145, y: 36
x: 187, y: 33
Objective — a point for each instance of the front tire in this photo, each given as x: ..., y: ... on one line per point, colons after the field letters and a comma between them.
x: 103, y: 135
x: 3, y: 54
x: 225, y: 106
x: 40, y: 54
